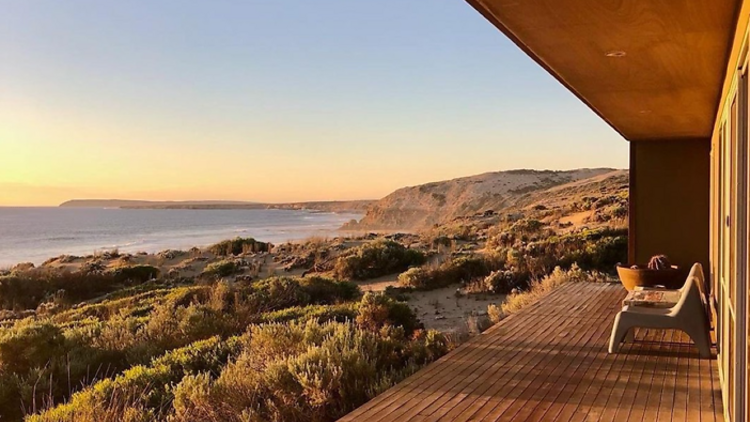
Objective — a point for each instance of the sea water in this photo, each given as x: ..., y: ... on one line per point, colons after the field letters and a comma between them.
x: 36, y: 234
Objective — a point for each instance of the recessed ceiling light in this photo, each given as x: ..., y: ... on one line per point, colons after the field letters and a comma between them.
x: 616, y: 54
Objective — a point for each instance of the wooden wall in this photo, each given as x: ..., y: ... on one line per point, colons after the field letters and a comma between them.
x: 670, y: 201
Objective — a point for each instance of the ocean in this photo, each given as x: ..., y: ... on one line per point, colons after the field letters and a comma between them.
x: 36, y: 234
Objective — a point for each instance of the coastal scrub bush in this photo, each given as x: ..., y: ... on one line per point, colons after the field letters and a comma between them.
x: 416, y: 277
x: 460, y: 269
x: 239, y: 246
x: 223, y: 268
x: 591, y: 250
x: 310, y: 373
x: 376, y: 259
x: 54, y: 357
x: 320, y: 313
x: 301, y: 371
x: 136, y: 273
x: 378, y: 310
x: 325, y: 291
x: 142, y: 390
x: 28, y: 289
x: 28, y: 345
x: 502, y: 282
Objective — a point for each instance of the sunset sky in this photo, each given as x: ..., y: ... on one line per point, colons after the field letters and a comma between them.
x: 272, y: 100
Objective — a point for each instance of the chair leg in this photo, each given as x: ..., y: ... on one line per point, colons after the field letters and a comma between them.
x: 702, y: 340
x: 619, y: 331
x: 630, y: 336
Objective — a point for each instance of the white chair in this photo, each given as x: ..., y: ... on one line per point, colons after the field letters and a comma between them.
x: 688, y: 315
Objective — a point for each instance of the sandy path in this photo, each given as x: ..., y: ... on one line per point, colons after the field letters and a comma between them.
x: 440, y: 309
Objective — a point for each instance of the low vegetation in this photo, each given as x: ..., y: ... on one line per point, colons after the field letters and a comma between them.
x: 28, y: 289
x: 198, y: 330
x: 376, y: 259
x: 250, y: 332
x: 239, y: 246
x: 45, y: 359
x: 460, y: 269
x: 222, y: 268
x: 281, y: 372
x: 512, y: 260
x: 538, y: 289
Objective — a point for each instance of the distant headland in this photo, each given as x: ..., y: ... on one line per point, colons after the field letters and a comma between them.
x: 357, y: 206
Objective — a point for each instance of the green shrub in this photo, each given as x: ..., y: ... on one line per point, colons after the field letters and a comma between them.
x: 325, y: 291
x: 223, y: 268
x: 376, y: 259
x: 503, y: 282
x: 319, y: 313
x: 137, y: 273
x: 457, y: 270
x: 239, y: 246
x: 378, y: 310
x: 29, y: 289
x: 305, y: 371
x: 311, y: 373
x: 417, y: 277
x: 592, y: 250
x: 162, y: 321
x: 29, y: 345
x: 143, y: 388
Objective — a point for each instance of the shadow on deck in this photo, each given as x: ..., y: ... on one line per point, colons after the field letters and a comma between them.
x: 549, y: 362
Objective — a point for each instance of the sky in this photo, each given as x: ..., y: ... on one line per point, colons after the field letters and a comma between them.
x: 272, y: 101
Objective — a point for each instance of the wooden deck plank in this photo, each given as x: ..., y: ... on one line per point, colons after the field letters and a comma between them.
x: 510, y: 328
x: 716, y: 385
x: 460, y: 404
x: 494, y: 381
x: 428, y: 397
x: 646, y: 386
x: 680, y: 405
x: 549, y: 363
x: 562, y: 406
x: 634, y: 386
x: 667, y: 396
x: 706, y: 395
x: 469, y: 352
x: 585, y: 373
x: 574, y: 366
x: 693, y: 392
x: 501, y: 398
x: 529, y: 343
x: 606, y: 397
x: 407, y: 394
x: 651, y: 412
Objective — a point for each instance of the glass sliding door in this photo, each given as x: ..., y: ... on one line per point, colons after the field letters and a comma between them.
x: 724, y: 291
x: 732, y: 243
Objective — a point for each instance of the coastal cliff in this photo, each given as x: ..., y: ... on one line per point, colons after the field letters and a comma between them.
x: 423, y: 206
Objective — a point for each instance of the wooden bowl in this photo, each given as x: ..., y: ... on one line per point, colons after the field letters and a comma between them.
x: 631, y: 278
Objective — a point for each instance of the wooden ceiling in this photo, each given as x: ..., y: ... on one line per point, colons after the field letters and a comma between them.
x: 653, y: 69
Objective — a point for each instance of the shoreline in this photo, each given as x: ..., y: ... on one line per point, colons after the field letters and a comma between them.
x: 130, y: 250
x: 35, y: 234
x: 324, y: 236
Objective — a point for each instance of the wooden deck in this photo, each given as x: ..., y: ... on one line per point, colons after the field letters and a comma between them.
x: 549, y: 362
